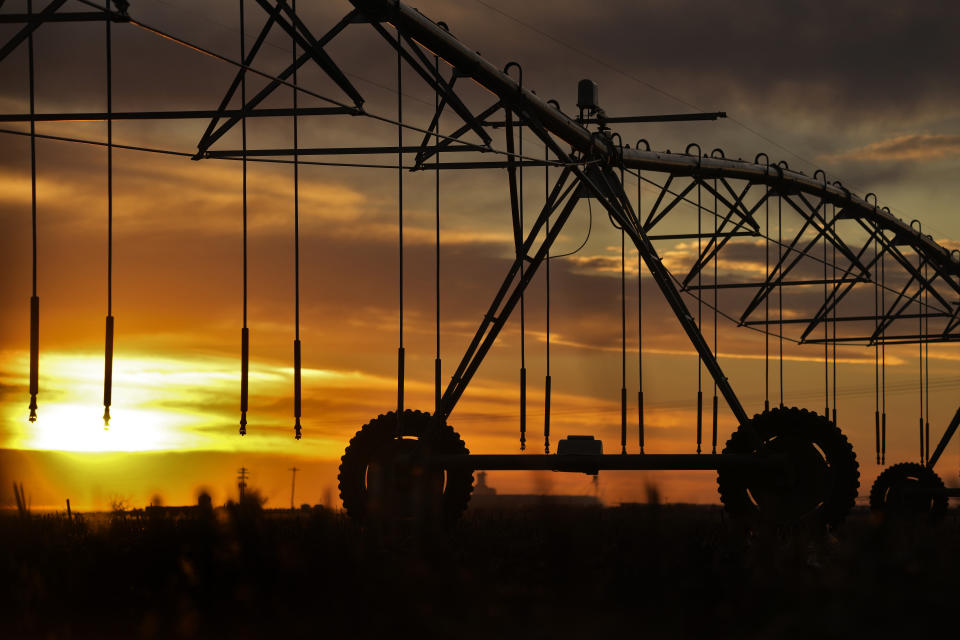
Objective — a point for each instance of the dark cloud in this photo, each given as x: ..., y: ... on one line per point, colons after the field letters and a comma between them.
x: 852, y: 54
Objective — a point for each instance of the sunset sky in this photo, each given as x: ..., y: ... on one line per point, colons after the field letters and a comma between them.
x: 868, y: 92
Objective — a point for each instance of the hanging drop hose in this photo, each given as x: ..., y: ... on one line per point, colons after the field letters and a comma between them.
x: 924, y: 441
x: 699, y: 317
x: 834, y: 312
x: 766, y: 306
x: 623, y: 341
x: 437, y: 367
x: 877, y: 291
x: 108, y: 342
x: 523, y: 310
x: 926, y: 350
x: 716, y: 302
x: 34, y: 299
x: 826, y: 328
x: 400, y: 350
x: 780, y: 284
x: 547, y: 381
x: 640, y: 434
x: 883, y: 362
x: 245, y: 331
x: 297, y: 397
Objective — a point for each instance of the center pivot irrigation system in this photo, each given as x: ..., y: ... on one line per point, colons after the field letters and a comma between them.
x: 865, y: 276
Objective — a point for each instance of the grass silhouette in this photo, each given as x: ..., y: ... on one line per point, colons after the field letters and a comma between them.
x: 241, y: 571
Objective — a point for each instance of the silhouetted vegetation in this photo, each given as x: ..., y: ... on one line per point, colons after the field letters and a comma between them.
x: 243, y: 571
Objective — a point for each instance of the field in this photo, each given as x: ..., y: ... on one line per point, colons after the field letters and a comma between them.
x: 551, y: 572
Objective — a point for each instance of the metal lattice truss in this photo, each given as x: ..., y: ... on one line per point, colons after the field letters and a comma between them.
x: 860, y: 274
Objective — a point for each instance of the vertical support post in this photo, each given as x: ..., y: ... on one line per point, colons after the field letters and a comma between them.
x: 293, y: 485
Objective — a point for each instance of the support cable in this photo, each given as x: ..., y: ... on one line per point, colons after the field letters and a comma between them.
x: 34, y: 298
x: 184, y: 154
x: 400, y: 349
x: 245, y: 331
x: 296, y: 253
x: 108, y: 342
x: 547, y: 379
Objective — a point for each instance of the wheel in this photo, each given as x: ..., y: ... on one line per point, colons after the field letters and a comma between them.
x: 380, y: 476
x: 903, y: 491
x: 815, y: 480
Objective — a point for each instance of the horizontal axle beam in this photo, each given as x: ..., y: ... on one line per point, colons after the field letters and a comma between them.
x: 593, y: 463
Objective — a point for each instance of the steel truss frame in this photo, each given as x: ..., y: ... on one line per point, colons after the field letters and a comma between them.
x: 924, y: 278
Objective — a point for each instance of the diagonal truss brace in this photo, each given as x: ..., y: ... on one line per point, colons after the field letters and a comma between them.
x: 311, y: 46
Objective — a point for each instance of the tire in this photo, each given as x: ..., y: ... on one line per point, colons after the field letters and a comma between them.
x: 818, y: 483
x: 898, y: 493
x: 379, y: 475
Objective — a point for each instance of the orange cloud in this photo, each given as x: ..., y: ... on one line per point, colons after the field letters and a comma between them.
x: 916, y: 146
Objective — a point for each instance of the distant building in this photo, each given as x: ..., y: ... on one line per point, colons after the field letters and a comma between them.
x: 486, y: 497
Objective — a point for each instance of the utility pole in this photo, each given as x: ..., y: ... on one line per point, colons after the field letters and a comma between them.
x: 242, y: 484
x: 293, y: 484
